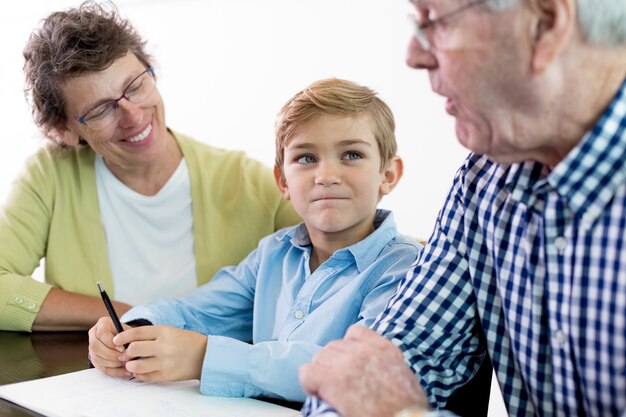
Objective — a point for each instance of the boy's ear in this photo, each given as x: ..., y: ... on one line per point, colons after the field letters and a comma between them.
x: 62, y: 135
x: 281, y: 182
x: 554, y: 25
x: 391, y: 175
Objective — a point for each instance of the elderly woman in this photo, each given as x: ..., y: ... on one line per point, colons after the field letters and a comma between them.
x: 117, y: 196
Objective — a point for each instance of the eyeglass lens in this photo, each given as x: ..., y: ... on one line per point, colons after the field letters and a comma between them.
x: 106, y: 113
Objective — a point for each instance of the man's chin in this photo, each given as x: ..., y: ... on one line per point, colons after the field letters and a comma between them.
x: 469, y: 138
x: 475, y: 140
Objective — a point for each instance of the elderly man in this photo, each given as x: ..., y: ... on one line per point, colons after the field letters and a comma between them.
x: 528, y: 257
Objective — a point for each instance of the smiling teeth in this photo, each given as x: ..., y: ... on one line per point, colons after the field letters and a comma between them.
x: 140, y: 136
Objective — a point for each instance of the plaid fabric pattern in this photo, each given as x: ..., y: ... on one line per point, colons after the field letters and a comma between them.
x: 530, y: 264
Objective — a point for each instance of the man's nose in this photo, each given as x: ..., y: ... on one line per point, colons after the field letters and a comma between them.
x: 418, y: 58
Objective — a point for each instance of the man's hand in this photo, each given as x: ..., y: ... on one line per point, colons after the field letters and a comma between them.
x: 362, y: 375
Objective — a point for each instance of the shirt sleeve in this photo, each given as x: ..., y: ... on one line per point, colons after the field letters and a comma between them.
x: 386, y: 281
x: 433, y: 316
x: 24, y: 223
x: 237, y: 369
x: 223, y: 306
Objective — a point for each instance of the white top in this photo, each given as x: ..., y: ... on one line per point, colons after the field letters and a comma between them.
x: 149, y: 238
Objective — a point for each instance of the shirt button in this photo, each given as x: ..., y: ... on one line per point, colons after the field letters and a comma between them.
x: 560, y: 243
x: 31, y: 306
x: 560, y: 338
x: 298, y: 314
x: 19, y: 300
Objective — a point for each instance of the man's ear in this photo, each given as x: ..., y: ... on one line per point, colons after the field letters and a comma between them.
x: 391, y: 175
x: 281, y: 182
x: 62, y: 135
x: 554, y: 26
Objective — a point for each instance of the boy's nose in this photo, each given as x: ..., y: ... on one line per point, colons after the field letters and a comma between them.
x: 327, y: 175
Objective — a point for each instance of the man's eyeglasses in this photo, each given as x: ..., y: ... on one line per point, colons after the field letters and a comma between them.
x: 106, y: 113
x: 421, y: 27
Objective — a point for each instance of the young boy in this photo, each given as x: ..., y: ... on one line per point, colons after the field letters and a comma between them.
x: 248, y: 330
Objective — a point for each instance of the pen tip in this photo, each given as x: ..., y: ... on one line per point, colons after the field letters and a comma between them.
x: 100, y: 286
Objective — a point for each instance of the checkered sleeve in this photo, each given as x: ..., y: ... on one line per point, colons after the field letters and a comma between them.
x: 433, y: 317
x: 315, y: 407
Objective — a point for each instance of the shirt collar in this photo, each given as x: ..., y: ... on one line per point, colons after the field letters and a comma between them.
x: 589, y: 175
x: 364, y: 252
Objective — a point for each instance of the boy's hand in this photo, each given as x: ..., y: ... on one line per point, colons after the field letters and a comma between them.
x: 162, y: 353
x: 103, y: 352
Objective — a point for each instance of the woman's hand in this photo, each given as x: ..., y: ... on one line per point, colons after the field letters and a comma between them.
x: 161, y: 353
x: 103, y: 352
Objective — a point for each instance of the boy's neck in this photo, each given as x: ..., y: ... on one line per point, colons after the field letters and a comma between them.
x: 324, y: 246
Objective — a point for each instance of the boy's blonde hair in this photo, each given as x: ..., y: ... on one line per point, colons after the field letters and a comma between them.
x: 334, y: 96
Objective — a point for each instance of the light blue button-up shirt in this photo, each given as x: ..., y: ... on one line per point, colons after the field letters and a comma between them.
x: 270, y: 314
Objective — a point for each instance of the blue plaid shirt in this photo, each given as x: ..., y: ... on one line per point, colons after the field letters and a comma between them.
x: 531, y: 264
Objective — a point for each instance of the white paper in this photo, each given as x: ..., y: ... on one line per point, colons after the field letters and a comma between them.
x: 90, y: 393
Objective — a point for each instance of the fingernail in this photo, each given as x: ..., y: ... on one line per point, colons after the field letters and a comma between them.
x: 123, y: 357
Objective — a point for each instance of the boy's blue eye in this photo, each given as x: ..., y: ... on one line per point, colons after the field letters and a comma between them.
x: 351, y: 156
x: 305, y: 159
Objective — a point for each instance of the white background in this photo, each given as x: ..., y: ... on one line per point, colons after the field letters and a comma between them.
x: 225, y: 68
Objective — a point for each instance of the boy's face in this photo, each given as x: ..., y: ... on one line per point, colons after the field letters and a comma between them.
x: 332, y: 175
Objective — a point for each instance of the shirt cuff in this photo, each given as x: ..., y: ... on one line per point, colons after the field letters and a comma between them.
x: 224, y: 367
x: 23, y: 305
x: 141, y: 313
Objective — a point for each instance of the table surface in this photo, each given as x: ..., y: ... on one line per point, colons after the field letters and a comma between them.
x: 28, y: 356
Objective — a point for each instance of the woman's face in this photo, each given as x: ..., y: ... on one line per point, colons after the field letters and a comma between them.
x: 135, y: 135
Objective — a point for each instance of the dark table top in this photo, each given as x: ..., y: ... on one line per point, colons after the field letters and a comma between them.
x: 28, y: 356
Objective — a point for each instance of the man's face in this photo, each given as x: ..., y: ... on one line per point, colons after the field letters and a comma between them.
x: 478, y: 63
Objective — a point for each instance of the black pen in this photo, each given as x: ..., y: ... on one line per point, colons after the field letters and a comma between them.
x: 109, y: 306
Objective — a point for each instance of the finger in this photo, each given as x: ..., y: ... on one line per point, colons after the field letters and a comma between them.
x: 140, y: 349
x: 116, y: 372
x: 312, y: 377
x: 360, y: 332
x: 143, y: 366
x: 104, y: 362
x: 136, y: 334
x: 150, y: 377
x: 322, y: 382
x: 338, y: 351
x: 102, y: 334
x: 99, y: 351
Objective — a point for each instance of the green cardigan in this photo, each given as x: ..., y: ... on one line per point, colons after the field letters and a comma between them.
x: 52, y: 212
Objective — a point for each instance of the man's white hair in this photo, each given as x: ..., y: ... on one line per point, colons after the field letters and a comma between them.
x: 602, y: 21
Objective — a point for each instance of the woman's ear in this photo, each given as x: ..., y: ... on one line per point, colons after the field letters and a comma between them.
x: 391, y: 175
x: 64, y: 136
x: 554, y: 26
x: 281, y: 182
